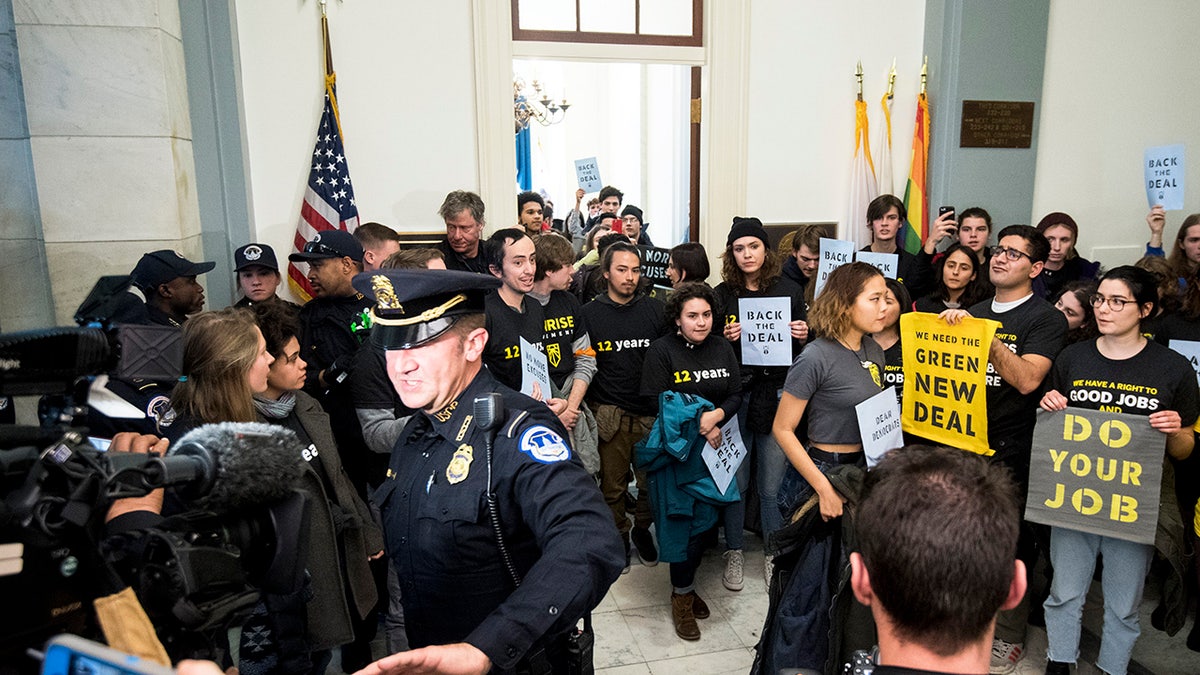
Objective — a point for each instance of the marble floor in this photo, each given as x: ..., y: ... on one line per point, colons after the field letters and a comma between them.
x: 635, y: 635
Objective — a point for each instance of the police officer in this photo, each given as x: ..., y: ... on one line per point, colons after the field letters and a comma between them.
x: 473, y: 601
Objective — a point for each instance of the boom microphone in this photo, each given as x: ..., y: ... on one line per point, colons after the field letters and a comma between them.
x: 255, y: 464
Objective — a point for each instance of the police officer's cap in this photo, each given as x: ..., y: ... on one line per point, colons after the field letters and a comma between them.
x: 161, y: 267
x: 254, y: 255
x: 415, y: 306
x: 330, y: 244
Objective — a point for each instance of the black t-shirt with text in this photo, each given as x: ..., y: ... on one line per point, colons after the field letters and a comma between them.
x: 1033, y: 327
x: 506, y: 326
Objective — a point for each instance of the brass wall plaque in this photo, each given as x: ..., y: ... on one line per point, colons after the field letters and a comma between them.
x: 996, y: 124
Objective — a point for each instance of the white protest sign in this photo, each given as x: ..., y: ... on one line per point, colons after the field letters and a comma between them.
x: 534, y: 370
x: 886, y: 262
x: 766, y: 337
x: 588, y: 173
x: 1165, y: 176
x: 1191, y: 350
x: 879, y: 424
x: 834, y: 254
x: 723, y: 461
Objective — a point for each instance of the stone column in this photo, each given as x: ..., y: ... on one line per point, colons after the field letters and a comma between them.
x: 25, y: 302
x: 106, y: 97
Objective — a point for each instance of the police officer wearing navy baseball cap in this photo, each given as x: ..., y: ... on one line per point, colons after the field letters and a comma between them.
x: 168, y: 280
x: 471, y: 598
x: 258, y: 275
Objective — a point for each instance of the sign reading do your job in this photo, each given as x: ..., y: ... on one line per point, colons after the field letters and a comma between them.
x: 1096, y: 472
x: 945, y: 385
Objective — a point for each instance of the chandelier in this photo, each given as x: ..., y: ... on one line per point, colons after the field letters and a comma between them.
x: 537, y: 106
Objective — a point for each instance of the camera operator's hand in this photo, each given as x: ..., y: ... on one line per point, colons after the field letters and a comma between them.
x: 127, y: 441
x: 456, y: 659
x: 202, y: 668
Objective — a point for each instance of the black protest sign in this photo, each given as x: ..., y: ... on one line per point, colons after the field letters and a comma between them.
x: 654, y: 264
x: 1096, y: 472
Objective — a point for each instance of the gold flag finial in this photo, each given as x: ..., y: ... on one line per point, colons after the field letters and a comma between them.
x: 891, y: 90
x: 924, y: 74
x: 858, y: 74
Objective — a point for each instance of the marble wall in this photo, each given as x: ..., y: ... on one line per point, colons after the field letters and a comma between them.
x: 25, y: 300
x: 111, y: 140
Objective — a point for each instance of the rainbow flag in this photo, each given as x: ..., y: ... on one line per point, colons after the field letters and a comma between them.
x: 916, y: 193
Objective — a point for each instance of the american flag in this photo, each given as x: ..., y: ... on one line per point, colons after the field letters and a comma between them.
x: 329, y: 196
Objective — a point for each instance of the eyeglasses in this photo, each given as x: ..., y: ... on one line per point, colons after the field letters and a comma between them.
x: 1115, y: 304
x: 318, y: 247
x: 1013, y: 254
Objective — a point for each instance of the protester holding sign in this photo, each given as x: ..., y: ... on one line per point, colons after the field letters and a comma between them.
x: 1030, y: 335
x: 1185, y: 253
x: 695, y: 361
x: 1120, y: 371
x: 751, y: 268
x: 885, y: 215
x: 839, y: 369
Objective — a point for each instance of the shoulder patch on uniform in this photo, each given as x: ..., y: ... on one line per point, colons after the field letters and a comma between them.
x: 544, y: 445
x: 159, y: 409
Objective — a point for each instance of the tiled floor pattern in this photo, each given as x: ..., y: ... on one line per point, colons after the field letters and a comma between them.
x: 635, y: 635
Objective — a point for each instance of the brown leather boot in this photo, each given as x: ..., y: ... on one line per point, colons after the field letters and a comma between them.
x: 685, y: 619
x: 699, y: 607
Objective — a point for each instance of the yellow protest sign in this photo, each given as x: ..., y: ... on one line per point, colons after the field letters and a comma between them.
x: 945, y: 380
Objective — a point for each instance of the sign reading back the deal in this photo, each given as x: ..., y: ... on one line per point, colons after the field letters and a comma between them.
x: 945, y: 383
x: 1096, y: 472
x: 723, y: 461
x: 834, y: 254
x: 887, y: 263
x: 588, y: 173
x: 1165, y: 176
x: 766, y: 337
x: 654, y: 264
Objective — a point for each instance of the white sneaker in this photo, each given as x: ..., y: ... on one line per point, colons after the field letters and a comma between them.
x: 1005, y: 656
x: 768, y: 569
x: 734, y: 561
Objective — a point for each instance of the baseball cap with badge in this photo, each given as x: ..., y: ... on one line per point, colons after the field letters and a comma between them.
x: 255, y: 255
x: 160, y: 267
x: 330, y: 244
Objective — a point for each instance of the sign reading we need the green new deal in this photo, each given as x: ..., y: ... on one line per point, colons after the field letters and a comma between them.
x: 1096, y: 472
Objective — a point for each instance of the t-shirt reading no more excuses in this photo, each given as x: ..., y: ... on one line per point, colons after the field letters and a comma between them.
x: 833, y: 380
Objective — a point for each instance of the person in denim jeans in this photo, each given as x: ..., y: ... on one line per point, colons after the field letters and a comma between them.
x: 839, y: 369
x: 751, y: 268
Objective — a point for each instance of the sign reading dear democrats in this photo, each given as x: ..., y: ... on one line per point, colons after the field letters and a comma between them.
x: 945, y: 382
x: 1096, y: 472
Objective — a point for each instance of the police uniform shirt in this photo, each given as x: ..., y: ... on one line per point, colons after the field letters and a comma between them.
x: 506, y: 326
x: 325, y: 334
x: 556, y: 526
x: 1033, y: 327
x: 709, y: 369
x: 1154, y: 379
x: 621, y: 334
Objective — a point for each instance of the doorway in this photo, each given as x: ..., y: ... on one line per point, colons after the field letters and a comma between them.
x: 635, y: 119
